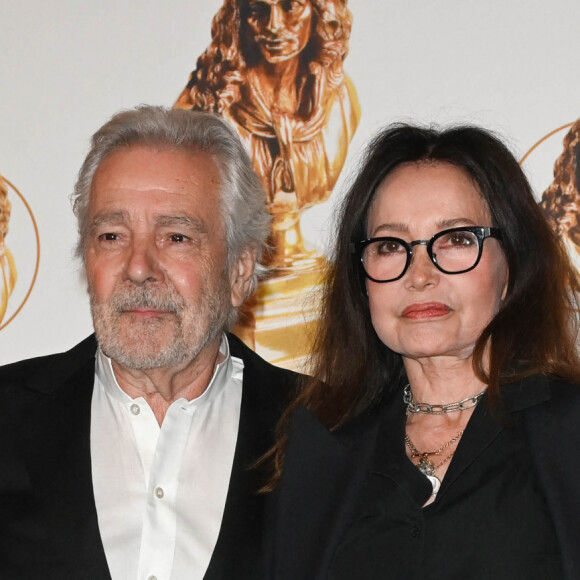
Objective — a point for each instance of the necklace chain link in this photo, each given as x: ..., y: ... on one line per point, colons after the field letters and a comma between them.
x: 415, y: 407
x: 425, y: 465
x: 416, y: 453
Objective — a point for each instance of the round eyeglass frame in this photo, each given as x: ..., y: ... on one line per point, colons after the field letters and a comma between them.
x: 480, y: 232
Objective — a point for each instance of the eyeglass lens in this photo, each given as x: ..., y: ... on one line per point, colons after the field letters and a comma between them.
x: 451, y: 251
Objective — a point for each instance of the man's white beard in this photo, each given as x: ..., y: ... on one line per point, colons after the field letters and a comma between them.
x: 173, y: 338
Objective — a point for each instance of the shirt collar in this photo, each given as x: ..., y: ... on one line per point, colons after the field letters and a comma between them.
x: 228, y: 367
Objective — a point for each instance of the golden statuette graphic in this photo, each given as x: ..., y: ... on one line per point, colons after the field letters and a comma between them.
x: 561, y: 200
x: 7, y: 267
x: 274, y: 70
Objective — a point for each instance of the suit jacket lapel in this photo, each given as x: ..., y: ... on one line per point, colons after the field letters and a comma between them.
x: 238, y: 552
x: 480, y: 433
x: 56, y: 446
x: 484, y: 427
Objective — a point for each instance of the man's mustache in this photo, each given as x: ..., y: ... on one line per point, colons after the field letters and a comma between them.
x: 142, y: 297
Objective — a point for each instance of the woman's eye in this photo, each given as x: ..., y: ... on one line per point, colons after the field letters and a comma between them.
x: 389, y: 247
x: 460, y: 239
x: 178, y: 238
x: 455, y: 241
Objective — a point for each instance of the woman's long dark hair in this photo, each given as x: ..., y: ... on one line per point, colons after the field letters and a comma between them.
x: 535, y: 330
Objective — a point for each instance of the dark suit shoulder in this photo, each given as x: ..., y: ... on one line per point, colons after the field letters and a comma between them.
x: 564, y: 392
x: 558, y: 416
x: 540, y: 393
x: 269, y: 380
x: 554, y: 438
x: 46, y: 372
x: 562, y: 395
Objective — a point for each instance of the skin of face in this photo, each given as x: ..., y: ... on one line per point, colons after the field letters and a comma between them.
x: 156, y: 258
x: 429, y: 315
x: 281, y: 28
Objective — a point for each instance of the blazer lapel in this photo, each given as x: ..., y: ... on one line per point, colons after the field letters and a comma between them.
x: 481, y: 431
x: 484, y: 427
x: 238, y: 552
x: 56, y: 445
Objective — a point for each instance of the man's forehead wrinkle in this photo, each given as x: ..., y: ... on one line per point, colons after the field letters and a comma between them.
x: 122, y: 216
x: 176, y: 186
x: 182, y: 220
x: 109, y: 217
x: 123, y: 181
x: 197, y: 179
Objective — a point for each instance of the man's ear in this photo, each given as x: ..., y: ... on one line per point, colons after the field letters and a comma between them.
x: 241, y: 276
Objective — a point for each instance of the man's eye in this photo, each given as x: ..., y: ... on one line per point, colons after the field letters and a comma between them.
x: 178, y: 238
x: 109, y: 237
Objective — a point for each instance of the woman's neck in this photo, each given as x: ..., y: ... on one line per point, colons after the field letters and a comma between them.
x: 442, y: 380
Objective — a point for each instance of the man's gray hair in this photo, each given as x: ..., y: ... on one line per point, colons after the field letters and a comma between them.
x: 243, y: 200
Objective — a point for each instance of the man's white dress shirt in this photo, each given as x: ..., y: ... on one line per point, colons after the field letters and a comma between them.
x: 160, y: 492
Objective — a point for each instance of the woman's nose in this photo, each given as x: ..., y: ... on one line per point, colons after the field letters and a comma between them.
x: 422, y: 271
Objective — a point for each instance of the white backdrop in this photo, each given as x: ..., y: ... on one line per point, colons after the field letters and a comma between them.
x: 66, y: 66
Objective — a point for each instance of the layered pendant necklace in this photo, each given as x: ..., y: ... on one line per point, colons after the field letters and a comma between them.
x: 425, y: 465
x: 428, y: 467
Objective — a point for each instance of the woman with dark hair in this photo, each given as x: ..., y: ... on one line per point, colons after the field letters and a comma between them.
x: 438, y: 434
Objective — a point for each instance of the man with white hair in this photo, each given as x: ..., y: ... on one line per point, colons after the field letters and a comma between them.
x: 130, y: 455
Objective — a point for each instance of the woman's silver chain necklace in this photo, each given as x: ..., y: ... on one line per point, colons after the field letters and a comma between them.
x: 415, y: 407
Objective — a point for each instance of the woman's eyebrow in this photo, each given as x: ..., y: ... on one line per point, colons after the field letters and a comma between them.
x: 391, y: 227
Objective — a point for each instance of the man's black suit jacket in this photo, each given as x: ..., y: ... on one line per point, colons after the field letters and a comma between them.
x: 48, y: 518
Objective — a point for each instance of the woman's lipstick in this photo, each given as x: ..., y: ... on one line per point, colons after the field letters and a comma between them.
x: 426, y: 310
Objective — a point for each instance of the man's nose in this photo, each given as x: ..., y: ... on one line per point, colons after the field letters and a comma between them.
x: 142, y: 261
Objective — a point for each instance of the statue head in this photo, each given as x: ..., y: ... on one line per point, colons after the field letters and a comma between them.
x: 275, y: 30
x: 561, y: 201
x: 245, y: 32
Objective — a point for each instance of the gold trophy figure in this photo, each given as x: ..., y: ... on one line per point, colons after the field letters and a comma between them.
x: 561, y: 201
x: 274, y: 70
x: 7, y: 266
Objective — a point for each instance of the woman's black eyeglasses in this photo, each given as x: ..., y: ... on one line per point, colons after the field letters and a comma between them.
x: 453, y: 251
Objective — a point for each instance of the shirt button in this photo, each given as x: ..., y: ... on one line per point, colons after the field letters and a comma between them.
x: 159, y: 493
x: 415, y: 532
x: 135, y: 409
